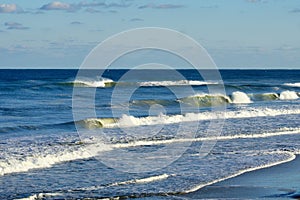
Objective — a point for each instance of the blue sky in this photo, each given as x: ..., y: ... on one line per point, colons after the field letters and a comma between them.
x: 236, y: 33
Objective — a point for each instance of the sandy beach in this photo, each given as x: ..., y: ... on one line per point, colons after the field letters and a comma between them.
x: 277, y: 182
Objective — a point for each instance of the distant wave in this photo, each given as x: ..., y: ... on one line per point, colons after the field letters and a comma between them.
x: 131, y: 121
x: 292, y: 84
x: 106, y: 82
x: 102, y: 82
x: 176, y: 83
x: 203, y: 100
x: 237, y: 98
x: 153, y: 102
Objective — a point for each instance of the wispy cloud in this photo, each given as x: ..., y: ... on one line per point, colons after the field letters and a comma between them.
x: 76, y: 23
x: 92, y: 10
x: 57, y: 5
x: 253, y: 1
x: 89, y: 6
x: 103, y: 4
x: 15, y: 25
x: 161, y: 6
x: 117, y: 5
x: 257, y: 1
x: 10, y: 8
x: 295, y: 10
x: 136, y: 20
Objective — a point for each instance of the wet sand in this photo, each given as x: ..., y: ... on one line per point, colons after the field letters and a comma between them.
x: 277, y: 182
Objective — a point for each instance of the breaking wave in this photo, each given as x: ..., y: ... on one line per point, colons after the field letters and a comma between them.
x: 106, y: 82
x: 176, y: 83
x: 288, y: 95
x: 240, y: 98
x: 42, y: 160
x: 277, y: 158
x: 91, y: 150
x: 208, y: 100
x: 131, y: 121
x: 264, y: 96
x: 292, y: 84
x: 102, y: 82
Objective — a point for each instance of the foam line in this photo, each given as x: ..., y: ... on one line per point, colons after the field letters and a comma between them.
x: 292, y: 84
x: 175, y: 83
x: 219, y: 138
x: 46, y: 161
x: 133, y: 181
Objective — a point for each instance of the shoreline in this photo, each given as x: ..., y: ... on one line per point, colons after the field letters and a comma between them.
x: 278, y: 180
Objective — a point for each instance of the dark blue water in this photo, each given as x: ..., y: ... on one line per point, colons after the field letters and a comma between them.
x: 143, y: 133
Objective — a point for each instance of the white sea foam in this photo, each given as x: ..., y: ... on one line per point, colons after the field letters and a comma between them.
x: 288, y: 95
x: 176, y: 83
x: 48, y: 160
x: 289, y: 157
x: 133, y: 181
x: 129, y: 182
x: 240, y: 97
x: 292, y: 84
x: 41, y: 160
x: 102, y: 82
x: 284, y: 131
x: 40, y: 196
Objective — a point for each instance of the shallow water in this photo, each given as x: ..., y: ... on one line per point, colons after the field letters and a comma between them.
x: 161, y: 140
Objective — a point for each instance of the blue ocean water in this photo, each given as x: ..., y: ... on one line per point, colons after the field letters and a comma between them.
x: 146, y: 135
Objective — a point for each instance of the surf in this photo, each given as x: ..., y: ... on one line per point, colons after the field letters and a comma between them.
x: 132, y: 121
x: 84, y: 82
x: 292, y: 84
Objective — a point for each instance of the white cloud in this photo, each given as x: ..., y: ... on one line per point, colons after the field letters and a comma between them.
x: 10, y: 8
x: 161, y: 6
x: 90, y: 6
x: 15, y: 25
x: 57, y: 5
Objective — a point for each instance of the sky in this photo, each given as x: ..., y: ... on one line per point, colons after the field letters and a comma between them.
x: 240, y: 34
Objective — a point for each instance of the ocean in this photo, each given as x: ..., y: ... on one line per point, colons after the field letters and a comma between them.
x: 150, y: 135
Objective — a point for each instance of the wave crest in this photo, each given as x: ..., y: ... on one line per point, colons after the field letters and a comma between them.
x: 240, y: 98
x: 176, y: 83
x: 292, y: 84
x: 131, y: 121
x: 288, y: 95
x: 102, y: 82
x: 206, y: 100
